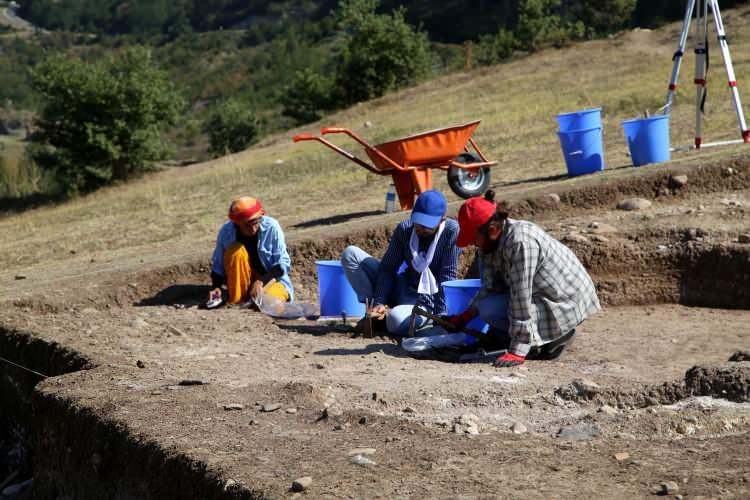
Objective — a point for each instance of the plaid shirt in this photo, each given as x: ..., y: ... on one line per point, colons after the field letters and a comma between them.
x: 550, y: 290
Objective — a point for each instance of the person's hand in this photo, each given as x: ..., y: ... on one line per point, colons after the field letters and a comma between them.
x: 459, y: 321
x: 377, y: 311
x: 509, y: 359
x: 256, y: 289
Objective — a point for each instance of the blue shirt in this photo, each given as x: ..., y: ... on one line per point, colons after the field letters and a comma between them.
x: 271, y: 249
x: 444, y: 265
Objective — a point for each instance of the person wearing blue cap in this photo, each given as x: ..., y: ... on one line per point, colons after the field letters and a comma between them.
x: 421, y: 254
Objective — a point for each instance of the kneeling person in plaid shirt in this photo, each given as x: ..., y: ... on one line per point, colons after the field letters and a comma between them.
x: 533, y: 286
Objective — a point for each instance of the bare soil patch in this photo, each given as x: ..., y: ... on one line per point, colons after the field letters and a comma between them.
x: 289, y: 399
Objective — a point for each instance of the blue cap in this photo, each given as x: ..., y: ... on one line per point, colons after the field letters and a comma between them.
x: 429, y: 209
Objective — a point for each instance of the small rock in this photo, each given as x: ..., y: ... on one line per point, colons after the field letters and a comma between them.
x: 156, y: 393
x: 744, y: 238
x: 302, y: 483
x: 409, y: 409
x: 518, y: 428
x: 633, y: 204
x: 233, y: 406
x: 291, y: 411
x: 622, y: 456
x: 267, y: 408
x: 679, y: 180
x: 231, y: 483
x: 608, y: 410
x: 19, y: 277
x: 279, y: 162
x: 368, y: 124
x: 555, y: 198
x: 140, y: 364
x: 685, y: 429
x: 668, y: 488
x: 579, y: 432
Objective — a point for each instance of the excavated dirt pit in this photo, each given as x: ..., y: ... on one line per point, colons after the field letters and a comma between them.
x: 645, y: 394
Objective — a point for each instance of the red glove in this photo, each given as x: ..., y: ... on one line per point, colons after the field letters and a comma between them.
x: 509, y: 359
x: 459, y: 321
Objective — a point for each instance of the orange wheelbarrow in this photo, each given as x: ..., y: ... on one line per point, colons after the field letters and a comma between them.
x: 410, y: 160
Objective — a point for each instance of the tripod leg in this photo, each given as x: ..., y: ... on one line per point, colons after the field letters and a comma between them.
x: 701, y: 66
x: 730, y: 70
x: 677, y: 57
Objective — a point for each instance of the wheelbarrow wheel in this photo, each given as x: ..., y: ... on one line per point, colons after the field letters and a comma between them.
x: 467, y: 183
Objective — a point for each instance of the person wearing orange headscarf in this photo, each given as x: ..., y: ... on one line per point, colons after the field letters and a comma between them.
x: 250, y: 252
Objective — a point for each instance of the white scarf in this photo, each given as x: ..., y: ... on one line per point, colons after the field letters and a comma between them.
x: 421, y: 261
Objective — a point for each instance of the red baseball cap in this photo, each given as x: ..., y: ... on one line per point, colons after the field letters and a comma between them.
x: 474, y: 213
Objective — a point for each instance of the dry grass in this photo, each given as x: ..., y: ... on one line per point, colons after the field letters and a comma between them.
x: 175, y: 213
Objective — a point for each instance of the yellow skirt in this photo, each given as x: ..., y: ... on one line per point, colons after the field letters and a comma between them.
x: 240, y: 275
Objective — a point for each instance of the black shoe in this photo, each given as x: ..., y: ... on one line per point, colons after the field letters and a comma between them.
x: 552, y: 350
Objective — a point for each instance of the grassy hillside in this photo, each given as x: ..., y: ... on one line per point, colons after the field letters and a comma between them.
x: 173, y: 215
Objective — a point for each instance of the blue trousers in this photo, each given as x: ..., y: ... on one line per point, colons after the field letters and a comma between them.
x: 361, y: 270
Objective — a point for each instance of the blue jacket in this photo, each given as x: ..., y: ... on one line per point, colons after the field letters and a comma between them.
x: 444, y: 265
x: 271, y: 249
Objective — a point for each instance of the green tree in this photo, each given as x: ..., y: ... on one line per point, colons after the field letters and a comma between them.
x: 495, y: 48
x: 231, y: 127
x: 381, y: 52
x: 602, y: 16
x: 308, y: 97
x: 539, y: 23
x: 100, y: 122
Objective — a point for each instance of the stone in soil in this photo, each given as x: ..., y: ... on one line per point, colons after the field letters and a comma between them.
x: 518, y: 428
x: 622, y: 456
x: 270, y: 407
x: 679, y: 180
x: 633, y: 204
x: 302, y: 483
x: 579, y: 432
x: 233, y: 406
x: 740, y: 356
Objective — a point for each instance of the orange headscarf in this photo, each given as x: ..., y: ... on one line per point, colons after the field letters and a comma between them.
x: 245, y: 208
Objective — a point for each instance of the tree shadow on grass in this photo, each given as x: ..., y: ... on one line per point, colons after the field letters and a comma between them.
x: 184, y: 295
x: 336, y: 219
x: 10, y: 205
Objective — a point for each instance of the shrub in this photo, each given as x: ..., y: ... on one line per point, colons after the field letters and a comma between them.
x: 100, y: 122
x: 231, y: 127
x: 381, y: 52
x: 307, y: 97
x: 495, y: 48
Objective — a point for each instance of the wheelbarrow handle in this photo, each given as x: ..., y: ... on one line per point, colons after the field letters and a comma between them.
x: 304, y: 137
x: 333, y: 130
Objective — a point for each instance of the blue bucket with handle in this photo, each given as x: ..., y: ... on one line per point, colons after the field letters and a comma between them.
x: 458, y: 295
x: 578, y: 120
x: 648, y: 139
x: 582, y: 150
x: 337, y: 296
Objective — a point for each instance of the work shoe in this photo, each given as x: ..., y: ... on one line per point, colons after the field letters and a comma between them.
x: 554, y: 349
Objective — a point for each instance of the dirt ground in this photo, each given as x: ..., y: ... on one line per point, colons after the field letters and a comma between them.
x: 615, y: 416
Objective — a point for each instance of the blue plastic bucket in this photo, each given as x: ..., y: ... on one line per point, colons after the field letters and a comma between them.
x: 582, y: 150
x: 458, y: 295
x: 336, y: 294
x: 578, y: 120
x: 648, y: 139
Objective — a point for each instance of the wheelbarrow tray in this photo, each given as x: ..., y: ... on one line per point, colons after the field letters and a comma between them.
x: 438, y: 146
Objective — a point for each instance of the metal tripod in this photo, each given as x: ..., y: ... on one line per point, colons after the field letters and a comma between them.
x: 701, y: 67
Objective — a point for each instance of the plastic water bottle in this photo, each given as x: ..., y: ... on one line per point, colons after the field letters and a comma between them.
x: 390, y: 200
